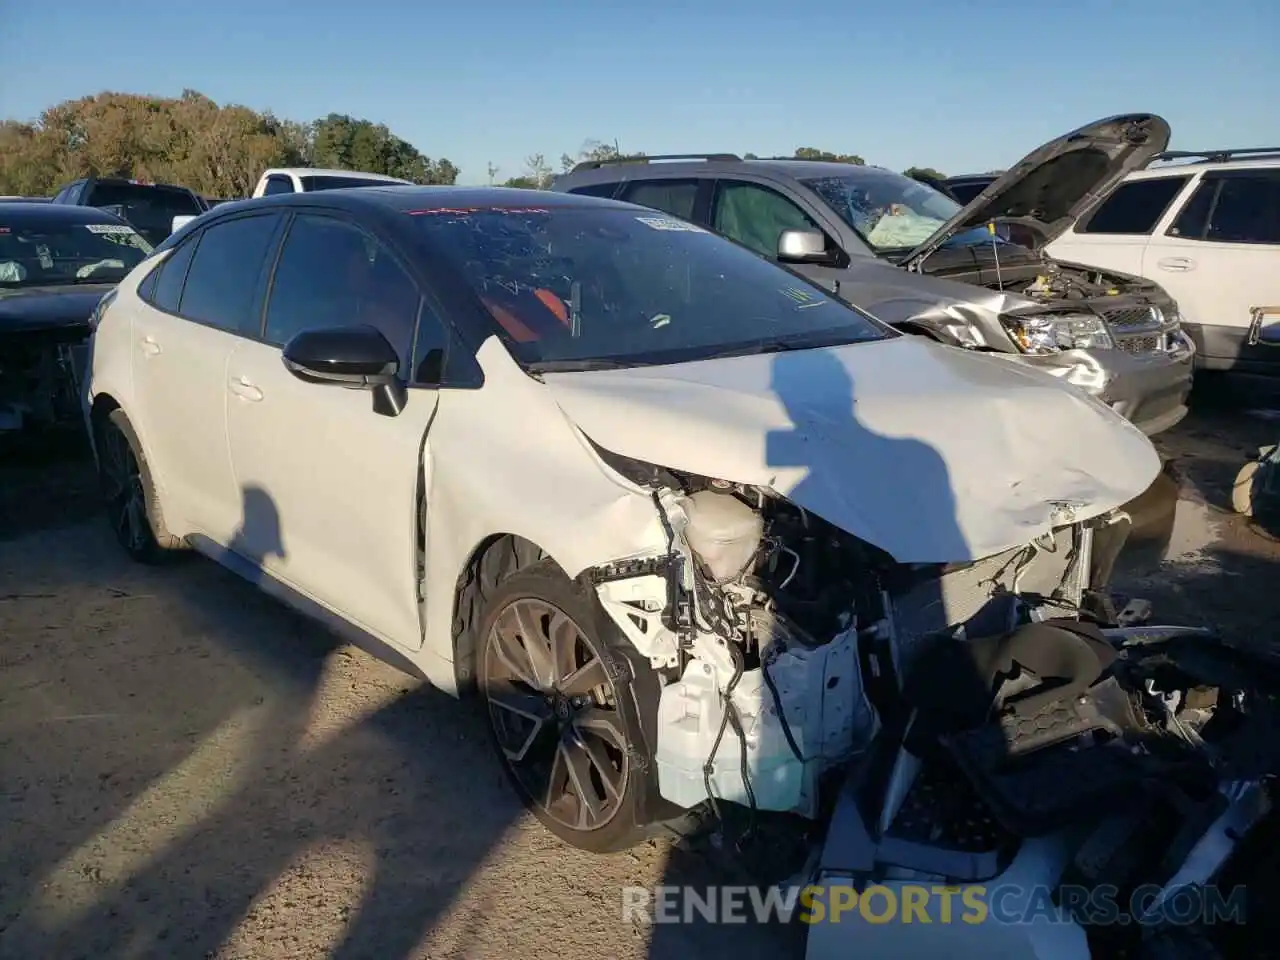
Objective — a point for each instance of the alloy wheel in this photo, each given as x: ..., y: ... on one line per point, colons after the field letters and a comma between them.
x: 553, y: 709
x: 125, y: 491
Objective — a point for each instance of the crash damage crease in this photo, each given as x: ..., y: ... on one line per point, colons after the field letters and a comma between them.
x: 801, y: 658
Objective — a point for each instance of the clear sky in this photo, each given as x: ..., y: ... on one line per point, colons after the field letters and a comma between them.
x: 957, y: 85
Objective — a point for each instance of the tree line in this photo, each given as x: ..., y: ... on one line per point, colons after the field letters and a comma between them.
x: 219, y: 151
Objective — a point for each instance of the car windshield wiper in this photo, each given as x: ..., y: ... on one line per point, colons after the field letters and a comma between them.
x: 579, y: 366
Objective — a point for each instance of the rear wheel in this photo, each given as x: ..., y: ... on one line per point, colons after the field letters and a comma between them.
x: 129, y: 493
x: 558, y: 686
x: 1246, y: 481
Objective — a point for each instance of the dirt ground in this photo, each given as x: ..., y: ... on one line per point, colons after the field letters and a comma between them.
x: 188, y: 769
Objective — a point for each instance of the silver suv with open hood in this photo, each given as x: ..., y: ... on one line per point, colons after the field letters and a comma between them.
x: 915, y: 258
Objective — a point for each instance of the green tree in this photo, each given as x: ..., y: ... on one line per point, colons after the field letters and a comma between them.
x: 596, y: 150
x: 923, y: 173
x: 216, y: 150
x: 811, y: 153
x: 347, y: 143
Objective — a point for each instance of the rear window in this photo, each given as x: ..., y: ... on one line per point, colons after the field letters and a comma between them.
x: 137, y: 195
x: 1136, y: 207
x: 339, y: 183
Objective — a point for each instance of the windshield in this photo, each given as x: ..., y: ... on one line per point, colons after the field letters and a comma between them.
x: 38, y: 254
x: 571, y: 287
x: 889, y: 211
x: 338, y: 183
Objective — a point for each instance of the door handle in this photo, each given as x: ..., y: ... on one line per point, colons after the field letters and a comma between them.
x: 149, y: 346
x: 1176, y: 264
x: 244, y: 389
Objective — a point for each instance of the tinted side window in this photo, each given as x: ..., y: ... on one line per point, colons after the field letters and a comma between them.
x: 1136, y: 207
x: 222, y: 284
x: 605, y: 190
x: 278, y: 184
x: 965, y: 190
x: 1194, y: 216
x: 675, y: 197
x: 1247, y: 210
x: 173, y: 272
x: 332, y: 274
x: 756, y: 216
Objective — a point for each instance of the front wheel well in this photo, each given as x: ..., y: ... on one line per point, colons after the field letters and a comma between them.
x: 490, y: 564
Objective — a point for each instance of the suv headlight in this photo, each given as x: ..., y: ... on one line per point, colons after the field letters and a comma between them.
x: 1049, y: 333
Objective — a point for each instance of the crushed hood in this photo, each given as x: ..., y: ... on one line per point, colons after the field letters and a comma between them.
x: 931, y: 453
x: 1053, y: 185
x: 36, y: 309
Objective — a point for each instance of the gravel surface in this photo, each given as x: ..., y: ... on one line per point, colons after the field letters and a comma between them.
x: 187, y: 769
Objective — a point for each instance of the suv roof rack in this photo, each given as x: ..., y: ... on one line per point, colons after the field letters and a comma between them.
x: 1219, y: 156
x: 597, y: 164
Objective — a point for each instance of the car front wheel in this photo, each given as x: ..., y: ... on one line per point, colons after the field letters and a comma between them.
x: 562, y: 693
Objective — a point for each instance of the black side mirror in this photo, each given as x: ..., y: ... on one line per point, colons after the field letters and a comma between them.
x: 358, y: 357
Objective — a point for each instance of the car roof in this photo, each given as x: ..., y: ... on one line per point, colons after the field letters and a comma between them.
x: 407, y: 199
x: 19, y: 213
x: 1176, y: 168
x: 715, y: 165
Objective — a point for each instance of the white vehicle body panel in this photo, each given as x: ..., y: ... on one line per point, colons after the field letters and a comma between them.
x: 296, y: 174
x: 879, y: 440
x: 1217, y: 285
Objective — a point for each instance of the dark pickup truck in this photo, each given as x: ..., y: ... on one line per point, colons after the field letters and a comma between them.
x: 148, y: 207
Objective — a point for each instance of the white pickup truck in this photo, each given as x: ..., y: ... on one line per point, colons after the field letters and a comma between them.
x: 305, y: 180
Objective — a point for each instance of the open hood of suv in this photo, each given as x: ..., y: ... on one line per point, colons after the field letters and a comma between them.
x: 1053, y: 185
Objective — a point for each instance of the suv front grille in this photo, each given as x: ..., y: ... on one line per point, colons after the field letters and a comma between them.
x: 1140, y: 344
x: 1125, y: 319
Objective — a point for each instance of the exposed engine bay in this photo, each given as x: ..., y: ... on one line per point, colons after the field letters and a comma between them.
x: 39, y: 382
x: 957, y: 714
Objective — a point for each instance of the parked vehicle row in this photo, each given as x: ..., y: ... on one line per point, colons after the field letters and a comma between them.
x: 1203, y: 224
x: 695, y: 529
x: 913, y: 257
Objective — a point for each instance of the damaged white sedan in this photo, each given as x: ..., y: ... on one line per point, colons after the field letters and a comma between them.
x: 696, y: 531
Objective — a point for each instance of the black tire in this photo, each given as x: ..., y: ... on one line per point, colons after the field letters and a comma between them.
x: 1242, y: 489
x: 129, y: 494
x: 555, y: 730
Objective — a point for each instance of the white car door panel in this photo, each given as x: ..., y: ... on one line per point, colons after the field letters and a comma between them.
x: 1116, y: 234
x: 185, y: 332
x: 179, y: 368
x: 328, y: 490
x: 1213, y: 254
x: 327, y: 485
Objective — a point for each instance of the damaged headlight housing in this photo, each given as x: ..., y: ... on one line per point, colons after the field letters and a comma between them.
x: 1050, y: 332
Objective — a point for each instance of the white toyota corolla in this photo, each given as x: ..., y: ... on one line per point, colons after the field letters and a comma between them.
x: 695, y: 530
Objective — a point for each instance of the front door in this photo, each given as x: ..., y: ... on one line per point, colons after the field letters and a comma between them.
x: 1220, y: 259
x: 330, y: 488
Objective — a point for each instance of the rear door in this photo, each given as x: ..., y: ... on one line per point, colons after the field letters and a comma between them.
x: 329, y: 487
x: 1219, y: 257
x: 207, y: 294
x: 1114, y: 236
x: 687, y: 198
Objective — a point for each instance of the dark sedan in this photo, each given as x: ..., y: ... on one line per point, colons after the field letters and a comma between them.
x: 56, y: 263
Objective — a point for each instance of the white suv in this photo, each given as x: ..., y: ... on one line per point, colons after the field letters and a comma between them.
x: 1206, y: 227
